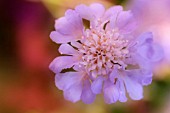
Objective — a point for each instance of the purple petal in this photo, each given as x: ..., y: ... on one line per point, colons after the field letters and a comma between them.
x: 71, y: 84
x: 63, y: 62
x: 68, y: 28
x: 94, y: 11
x: 140, y: 76
x: 61, y: 38
x: 145, y: 38
x: 144, y: 66
x: 112, y: 12
x: 65, y: 80
x: 158, y: 53
x: 71, y: 24
x: 113, y: 75
x: 97, y: 85
x: 134, y: 89
x: 87, y: 95
x: 122, y: 92
x: 111, y: 92
x: 151, y: 52
x: 111, y: 25
x: 146, y: 81
x: 76, y: 44
x: 74, y: 92
x: 84, y: 12
x: 79, y: 68
x: 74, y: 19
x: 121, y: 89
x: 126, y: 22
x: 67, y: 49
x: 147, y: 49
x: 97, y: 9
x: 63, y: 26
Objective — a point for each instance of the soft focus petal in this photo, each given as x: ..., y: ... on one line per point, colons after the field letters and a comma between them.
x: 158, y: 53
x: 97, y: 85
x: 140, y: 76
x: 112, y: 12
x: 126, y: 22
x: 63, y: 62
x: 97, y: 9
x: 63, y: 26
x: 70, y: 24
x: 67, y: 49
x: 79, y: 68
x: 144, y: 66
x: 94, y: 11
x: 134, y: 89
x: 73, y: 93
x: 87, y: 95
x: 71, y: 84
x: 111, y: 92
x: 76, y: 44
x: 65, y: 80
x: 112, y: 23
x: 145, y: 38
x: 151, y: 52
x: 147, y: 49
x: 146, y: 81
x: 113, y: 75
x: 74, y: 19
x: 122, y: 97
x: 85, y: 12
x: 61, y: 38
x: 68, y: 28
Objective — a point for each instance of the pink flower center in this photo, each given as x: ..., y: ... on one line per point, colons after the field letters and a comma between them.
x: 102, y: 51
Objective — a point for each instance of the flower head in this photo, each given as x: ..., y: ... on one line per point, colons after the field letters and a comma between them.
x: 106, y: 57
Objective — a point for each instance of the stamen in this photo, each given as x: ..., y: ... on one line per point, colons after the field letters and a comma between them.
x: 103, y: 50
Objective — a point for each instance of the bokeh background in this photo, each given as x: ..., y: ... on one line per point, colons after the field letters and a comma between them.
x: 27, y: 84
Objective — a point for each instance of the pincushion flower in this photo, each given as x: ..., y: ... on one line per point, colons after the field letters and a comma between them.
x: 105, y: 57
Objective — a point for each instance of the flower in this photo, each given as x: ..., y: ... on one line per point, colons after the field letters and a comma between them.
x: 105, y: 57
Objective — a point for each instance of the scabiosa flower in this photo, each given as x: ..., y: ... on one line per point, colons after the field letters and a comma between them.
x: 105, y: 57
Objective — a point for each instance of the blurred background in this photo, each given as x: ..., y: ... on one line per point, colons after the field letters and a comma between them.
x: 27, y: 84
